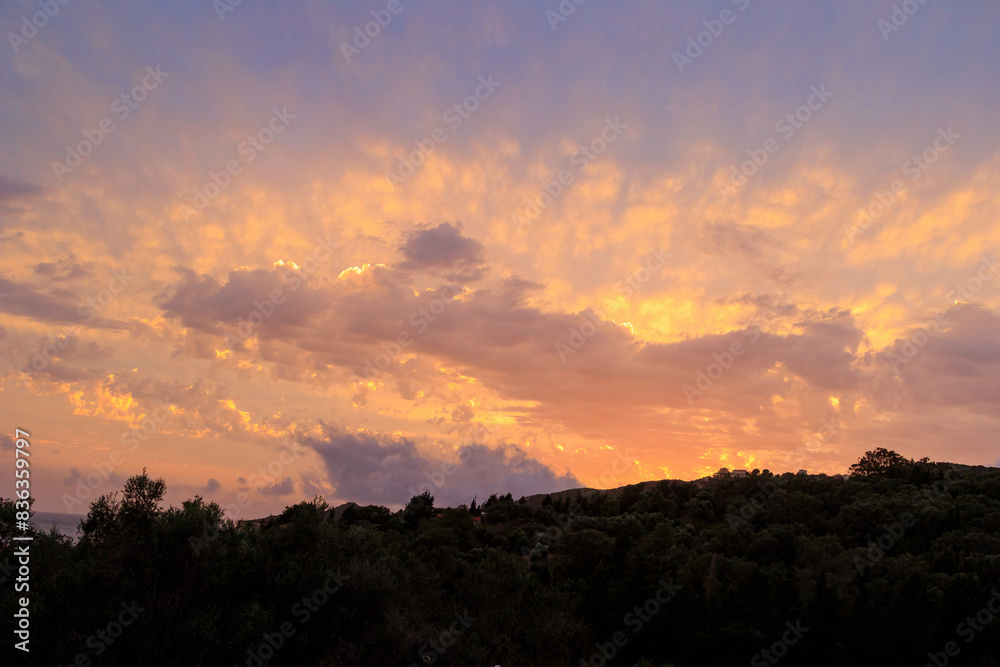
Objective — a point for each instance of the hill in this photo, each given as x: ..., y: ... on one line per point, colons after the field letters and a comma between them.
x: 885, y: 568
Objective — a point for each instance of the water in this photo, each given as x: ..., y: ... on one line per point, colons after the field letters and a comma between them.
x: 67, y: 524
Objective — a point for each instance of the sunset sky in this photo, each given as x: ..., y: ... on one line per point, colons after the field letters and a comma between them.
x: 495, y: 247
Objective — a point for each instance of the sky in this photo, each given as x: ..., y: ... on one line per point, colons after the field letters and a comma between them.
x: 369, y: 249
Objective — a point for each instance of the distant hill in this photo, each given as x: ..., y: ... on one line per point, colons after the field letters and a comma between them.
x: 535, y: 500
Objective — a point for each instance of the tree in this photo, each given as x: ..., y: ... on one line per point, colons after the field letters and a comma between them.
x: 141, y: 498
x: 420, y: 507
x: 306, y: 513
x: 102, y: 520
x: 136, y: 511
x: 375, y: 515
x: 880, y: 462
x: 8, y: 517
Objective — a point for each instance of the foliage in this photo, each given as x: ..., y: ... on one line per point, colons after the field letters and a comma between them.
x: 880, y: 462
x: 547, y: 585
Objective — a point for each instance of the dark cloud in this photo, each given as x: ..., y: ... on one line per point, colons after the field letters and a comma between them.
x: 443, y: 250
x: 462, y: 414
x: 64, y: 269
x: 825, y: 354
x: 371, y: 469
x: 6, y: 441
x: 958, y: 365
x: 202, y: 303
x: 212, y: 486
x: 79, y: 477
x: 766, y: 305
x: 730, y: 237
x: 609, y: 386
x: 311, y: 487
x: 283, y: 488
x: 59, y: 305
x: 380, y: 469
x: 12, y: 193
x: 612, y: 386
x: 343, y: 321
x: 67, y: 358
x: 26, y: 300
x: 12, y: 188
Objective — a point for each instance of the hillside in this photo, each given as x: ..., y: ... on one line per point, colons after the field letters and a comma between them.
x: 884, y: 568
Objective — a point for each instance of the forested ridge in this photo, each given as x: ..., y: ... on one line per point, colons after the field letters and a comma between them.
x: 897, y: 565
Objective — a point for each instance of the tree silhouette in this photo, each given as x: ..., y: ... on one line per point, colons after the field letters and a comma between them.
x: 880, y: 462
x: 136, y: 511
x: 890, y: 565
x: 419, y: 508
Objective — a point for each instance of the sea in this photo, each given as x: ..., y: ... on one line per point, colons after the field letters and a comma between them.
x: 67, y: 524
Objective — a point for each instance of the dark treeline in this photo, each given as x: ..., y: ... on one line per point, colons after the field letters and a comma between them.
x: 897, y: 565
